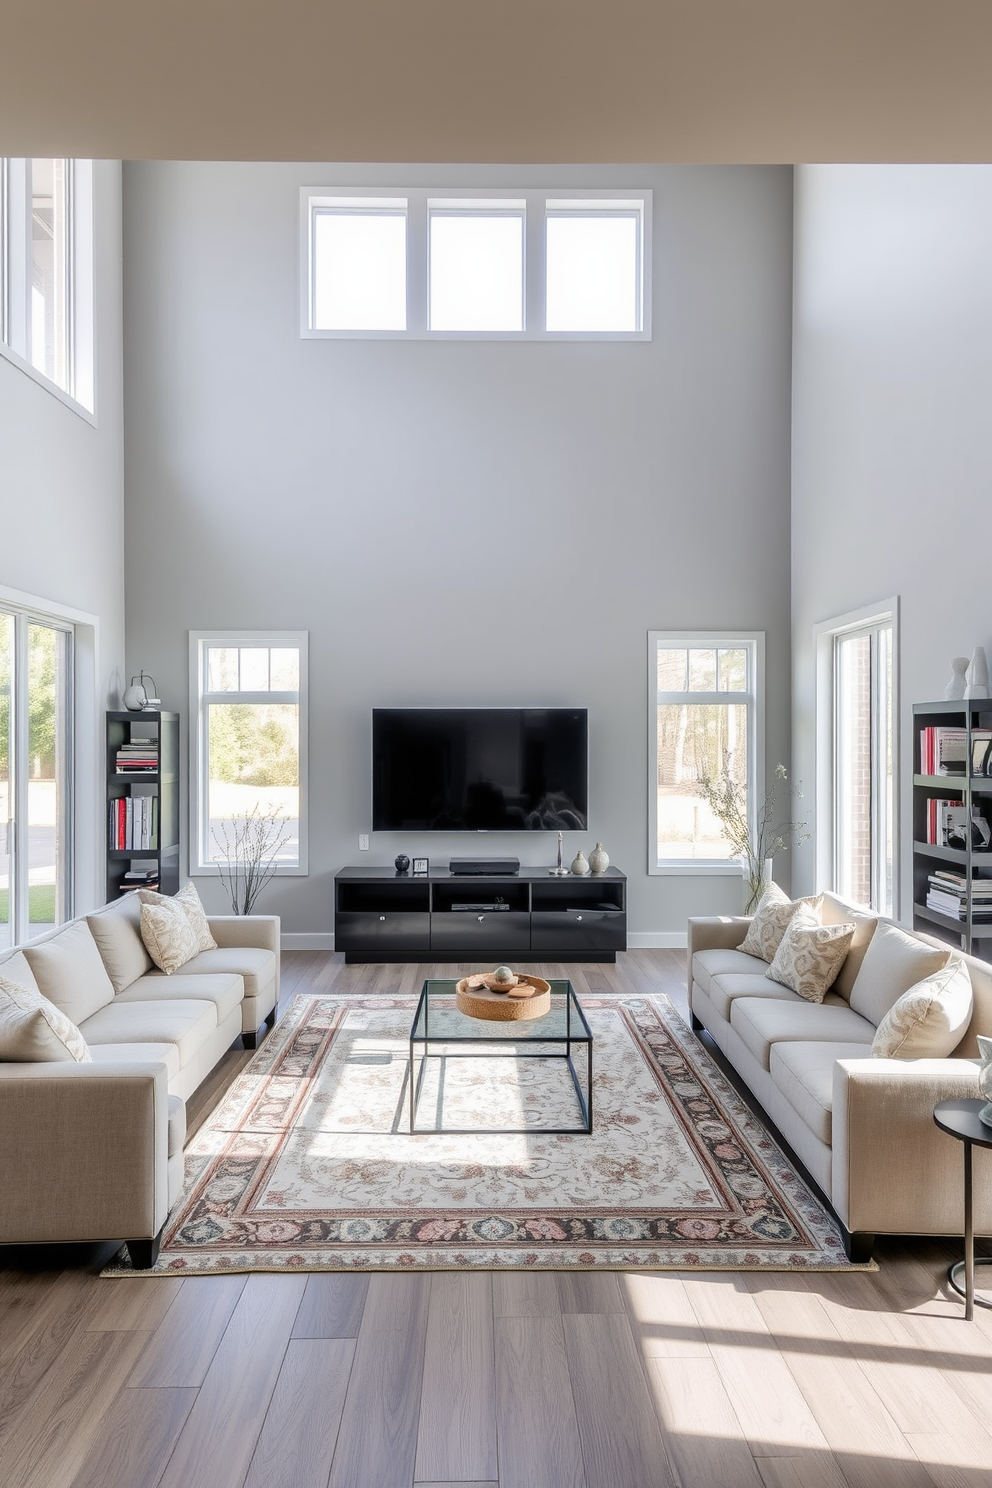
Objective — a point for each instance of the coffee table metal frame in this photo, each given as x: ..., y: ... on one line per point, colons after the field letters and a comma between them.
x: 575, y: 1035
x: 959, y: 1118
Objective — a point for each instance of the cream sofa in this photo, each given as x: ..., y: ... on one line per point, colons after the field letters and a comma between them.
x: 94, y: 1151
x: 863, y: 1127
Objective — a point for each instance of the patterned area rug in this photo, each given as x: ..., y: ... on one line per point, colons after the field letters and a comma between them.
x: 308, y: 1164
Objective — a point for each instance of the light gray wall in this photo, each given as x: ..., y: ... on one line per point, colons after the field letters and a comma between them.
x: 892, y: 426
x: 61, y: 513
x: 470, y: 522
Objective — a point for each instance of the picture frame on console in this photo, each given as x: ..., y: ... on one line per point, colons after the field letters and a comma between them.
x: 421, y: 867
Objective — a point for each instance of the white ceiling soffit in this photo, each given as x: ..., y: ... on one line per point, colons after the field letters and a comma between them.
x: 499, y: 80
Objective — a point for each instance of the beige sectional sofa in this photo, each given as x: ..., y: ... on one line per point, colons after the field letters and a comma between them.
x: 94, y: 1151
x: 861, y: 1125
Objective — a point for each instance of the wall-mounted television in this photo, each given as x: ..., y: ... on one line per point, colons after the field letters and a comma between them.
x: 480, y: 769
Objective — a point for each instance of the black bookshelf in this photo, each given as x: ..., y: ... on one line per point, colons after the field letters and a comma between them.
x: 974, y: 792
x: 161, y: 785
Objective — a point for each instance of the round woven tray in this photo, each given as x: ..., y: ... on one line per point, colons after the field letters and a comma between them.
x: 474, y: 999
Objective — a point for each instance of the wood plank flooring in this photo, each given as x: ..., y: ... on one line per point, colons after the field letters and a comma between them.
x: 472, y: 1380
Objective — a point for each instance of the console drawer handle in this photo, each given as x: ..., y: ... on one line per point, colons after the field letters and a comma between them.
x: 578, y: 917
x: 382, y: 919
x: 481, y: 918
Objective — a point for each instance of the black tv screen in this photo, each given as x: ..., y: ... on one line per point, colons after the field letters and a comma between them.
x: 479, y: 769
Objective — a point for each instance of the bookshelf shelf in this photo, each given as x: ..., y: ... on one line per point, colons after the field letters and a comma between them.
x: 960, y: 730
x: 155, y: 791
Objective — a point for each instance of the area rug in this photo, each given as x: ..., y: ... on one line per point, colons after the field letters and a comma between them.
x: 307, y: 1164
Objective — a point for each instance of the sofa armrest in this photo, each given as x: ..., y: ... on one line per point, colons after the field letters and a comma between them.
x: 716, y: 933
x: 894, y: 1171
x: 261, y: 931
x: 84, y: 1154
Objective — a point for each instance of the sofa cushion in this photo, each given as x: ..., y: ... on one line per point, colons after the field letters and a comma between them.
x: 226, y: 992
x: 893, y: 962
x: 928, y: 1021
x: 762, y: 1022
x: 143, y: 1053
x: 187, y: 900
x: 810, y: 954
x: 34, y: 1031
x: 257, y: 967
x: 14, y: 965
x: 805, y: 1075
x: 775, y: 910
x: 70, y: 972
x: 834, y: 911
x: 117, y: 931
x: 723, y: 990
x: 186, y: 1023
x: 709, y: 964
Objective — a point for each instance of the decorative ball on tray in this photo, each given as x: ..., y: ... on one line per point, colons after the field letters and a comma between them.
x: 503, y: 995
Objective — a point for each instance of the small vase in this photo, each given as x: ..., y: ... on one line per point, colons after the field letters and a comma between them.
x: 754, y: 887
x: 978, y: 675
x: 599, y: 859
x: 580, y: 867
x: 955, y: 688
x: 985, y: 1079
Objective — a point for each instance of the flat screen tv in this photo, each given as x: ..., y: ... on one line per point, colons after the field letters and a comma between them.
x: 479, y: 769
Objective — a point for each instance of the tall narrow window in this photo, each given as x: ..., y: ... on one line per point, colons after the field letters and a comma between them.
x: 476, y: 266
x: 856, y: 760
x: 249, y: 702
x: 703, y: 707
x: 35, y: 775
x: 46, y: 259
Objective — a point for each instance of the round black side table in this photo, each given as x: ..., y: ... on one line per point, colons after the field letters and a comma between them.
x: 959, y: 1118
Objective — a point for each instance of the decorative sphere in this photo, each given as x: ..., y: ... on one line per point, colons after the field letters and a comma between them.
x: 502, y: 976
x: 402, y: 862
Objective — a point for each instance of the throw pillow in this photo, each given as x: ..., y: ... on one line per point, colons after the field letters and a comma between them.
x: 168, y: 934
x: 33, y: 1030
x: 189, y: 900
x: 894, y: 962
x: 810, y: 955
x: 117, y: 932
x: 775, y: 910
x: 834, y: 911
x: 928, y: 1021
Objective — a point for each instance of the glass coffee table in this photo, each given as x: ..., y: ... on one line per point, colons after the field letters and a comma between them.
x: 561, y: 1037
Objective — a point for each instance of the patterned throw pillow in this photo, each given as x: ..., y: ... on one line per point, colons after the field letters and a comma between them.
x: 188, y: 901
x: 168, y: 934
x: 810, y: 955
x: 930, y: 1020
x: 775, y: 910
x: 33, y: 1030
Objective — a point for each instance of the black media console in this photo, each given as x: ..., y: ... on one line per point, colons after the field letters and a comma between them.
x: 381, y: 915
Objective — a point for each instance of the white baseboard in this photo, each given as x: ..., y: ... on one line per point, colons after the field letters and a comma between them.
x: 648, y: 940
x: 292, y: 940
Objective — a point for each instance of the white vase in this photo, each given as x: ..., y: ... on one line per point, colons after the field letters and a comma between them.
x: 978, y: 675
x: 985, y: 1078
x: 580, y: 866
x: 599, y: 859
x: 955, y: 688
x: 752, y: 893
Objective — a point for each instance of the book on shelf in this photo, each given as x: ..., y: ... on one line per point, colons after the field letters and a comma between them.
x: 944, y: 751
x: 957, y: 909
x: 134, y: 823
x: 948, y: 825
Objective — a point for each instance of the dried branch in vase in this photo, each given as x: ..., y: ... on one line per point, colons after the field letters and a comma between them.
x: 727, y: 799
x: 250, y: 844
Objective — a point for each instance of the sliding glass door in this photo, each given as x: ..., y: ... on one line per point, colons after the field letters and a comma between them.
x: 35, y: 775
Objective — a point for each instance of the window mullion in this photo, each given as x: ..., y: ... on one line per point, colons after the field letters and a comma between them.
x: 417, y: 265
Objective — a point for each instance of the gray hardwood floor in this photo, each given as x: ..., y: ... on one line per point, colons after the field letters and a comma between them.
x: 557, y: 1380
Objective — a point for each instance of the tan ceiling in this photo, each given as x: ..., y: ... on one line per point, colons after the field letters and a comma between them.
x: 498, y: 80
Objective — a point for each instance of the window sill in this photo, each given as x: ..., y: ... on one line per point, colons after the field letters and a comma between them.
x: 283, y: 870
x: 73, y: 404
x: 697, y: 868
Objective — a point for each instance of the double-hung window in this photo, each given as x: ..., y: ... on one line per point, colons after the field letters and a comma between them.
x: 46, y: 273
x: 856, y: 756
x: 529, y: 264
x: 248, y: 700
x: 704, y: 707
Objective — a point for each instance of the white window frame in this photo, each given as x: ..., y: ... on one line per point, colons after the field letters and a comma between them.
x: 825, y: 634
x: 200, y: 697
x: 753, y: 700
x: 538, y: 203
x: 15, y: 282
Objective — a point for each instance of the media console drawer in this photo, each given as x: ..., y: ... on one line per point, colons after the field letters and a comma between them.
x: 579, y: 930
x: 462, y: 930
x: 390, y: 930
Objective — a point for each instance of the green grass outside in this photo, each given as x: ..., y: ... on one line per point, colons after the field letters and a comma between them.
x: 41, y: 904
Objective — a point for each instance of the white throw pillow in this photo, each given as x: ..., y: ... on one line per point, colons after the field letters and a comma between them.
x: 34, y: 1031
x: 168, y: 935
x: 930, y: 1020
x: 775, y: 910
x: 894, y: 962
x: 188, y: 901
x: 810, y: 955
